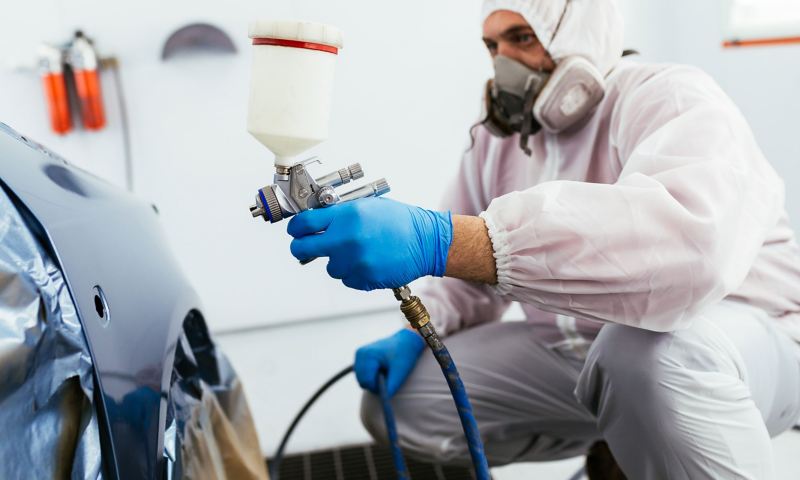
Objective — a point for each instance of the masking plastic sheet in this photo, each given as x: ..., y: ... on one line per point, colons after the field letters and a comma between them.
x: 49, y: 424
x: 210, y: 425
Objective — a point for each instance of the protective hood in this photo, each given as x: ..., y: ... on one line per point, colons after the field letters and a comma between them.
x: 592, y: 29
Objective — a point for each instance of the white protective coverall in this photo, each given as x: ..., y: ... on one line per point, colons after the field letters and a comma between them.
x: 658, y: 217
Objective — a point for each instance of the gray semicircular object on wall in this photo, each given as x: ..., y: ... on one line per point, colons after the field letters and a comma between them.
x: 197, y: 37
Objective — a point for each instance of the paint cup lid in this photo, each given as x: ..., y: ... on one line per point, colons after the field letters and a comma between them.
x: 309, y: 32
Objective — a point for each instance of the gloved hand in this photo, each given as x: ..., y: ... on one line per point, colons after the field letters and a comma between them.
x: 395, y: 355
x: 374, y: 242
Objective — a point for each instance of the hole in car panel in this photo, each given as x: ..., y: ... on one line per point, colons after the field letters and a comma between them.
x: 100, y: 305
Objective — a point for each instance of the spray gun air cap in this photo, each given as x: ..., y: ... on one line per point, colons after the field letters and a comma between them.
x: 291, y: 85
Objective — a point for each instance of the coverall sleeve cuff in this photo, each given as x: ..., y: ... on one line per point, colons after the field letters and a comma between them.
x: 502, y: 254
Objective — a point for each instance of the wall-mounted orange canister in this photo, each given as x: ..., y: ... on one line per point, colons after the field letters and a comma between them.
x: 86, y: 72
x: 51, y: 66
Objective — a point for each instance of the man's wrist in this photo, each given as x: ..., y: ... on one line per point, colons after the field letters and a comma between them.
x: 471, y: 256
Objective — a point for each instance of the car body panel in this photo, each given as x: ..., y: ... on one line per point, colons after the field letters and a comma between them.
x: 104, y: 237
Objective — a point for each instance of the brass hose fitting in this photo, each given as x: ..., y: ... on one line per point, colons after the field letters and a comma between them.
x: 418, y: 316
x: 415, y: 312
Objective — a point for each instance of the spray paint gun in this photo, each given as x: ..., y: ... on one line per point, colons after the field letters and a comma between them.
x: 295, y: 190
x: 290, y: 96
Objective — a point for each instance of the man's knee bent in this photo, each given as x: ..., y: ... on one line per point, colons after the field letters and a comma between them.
x: 624, y: 363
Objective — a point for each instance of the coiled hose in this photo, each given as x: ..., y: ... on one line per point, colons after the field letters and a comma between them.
x: 388, y: 416
x: 418, y: 317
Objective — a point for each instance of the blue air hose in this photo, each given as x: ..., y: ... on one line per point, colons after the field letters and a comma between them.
x: 391, y: 430
x: 418, y: 317
x: 464, y: 408
x: 459, y: 396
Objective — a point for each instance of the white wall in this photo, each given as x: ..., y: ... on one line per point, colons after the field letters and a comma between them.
x: 407, y: 88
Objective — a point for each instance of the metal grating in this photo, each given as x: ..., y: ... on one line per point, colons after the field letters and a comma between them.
x: 361, y: 462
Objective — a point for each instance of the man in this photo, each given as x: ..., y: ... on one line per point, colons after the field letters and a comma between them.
x: 644, y: 236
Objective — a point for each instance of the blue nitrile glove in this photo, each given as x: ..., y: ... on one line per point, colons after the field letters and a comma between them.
x: 374, y: 242
x: 395, y: 356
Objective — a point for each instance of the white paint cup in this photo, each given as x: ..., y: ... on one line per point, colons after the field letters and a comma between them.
x: 291, y: 85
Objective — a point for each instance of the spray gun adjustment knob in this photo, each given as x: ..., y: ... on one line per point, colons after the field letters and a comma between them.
x: 381, y: 187
x: 341, y: 176
x: 275, y: 212
x: 351, y: 172
x: 355, y: 171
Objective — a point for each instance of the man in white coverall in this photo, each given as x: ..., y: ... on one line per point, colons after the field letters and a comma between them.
x: 644, y: 235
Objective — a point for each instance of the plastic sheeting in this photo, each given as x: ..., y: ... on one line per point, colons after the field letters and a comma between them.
x: 49, y: 424
x: 210, y: 424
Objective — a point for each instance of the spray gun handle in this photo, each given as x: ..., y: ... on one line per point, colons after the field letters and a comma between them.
x: 374, y: 189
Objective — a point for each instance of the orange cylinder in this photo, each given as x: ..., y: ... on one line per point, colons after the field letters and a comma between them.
x: 90, y: 98
x: 51, y: 68
x: 55, y: 91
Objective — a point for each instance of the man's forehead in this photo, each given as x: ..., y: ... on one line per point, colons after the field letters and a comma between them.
x: 504, y: 22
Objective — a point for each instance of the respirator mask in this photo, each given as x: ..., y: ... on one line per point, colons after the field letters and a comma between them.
x: 522, y: 100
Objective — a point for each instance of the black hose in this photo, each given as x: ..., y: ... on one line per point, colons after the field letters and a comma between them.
x: 276, y: 460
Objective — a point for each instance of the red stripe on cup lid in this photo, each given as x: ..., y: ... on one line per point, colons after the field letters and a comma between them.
x: 281, y: 42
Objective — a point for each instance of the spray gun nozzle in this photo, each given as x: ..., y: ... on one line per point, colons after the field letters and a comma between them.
x: 256, y: 210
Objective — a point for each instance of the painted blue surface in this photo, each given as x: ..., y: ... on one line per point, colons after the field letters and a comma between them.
x: 103, y: 236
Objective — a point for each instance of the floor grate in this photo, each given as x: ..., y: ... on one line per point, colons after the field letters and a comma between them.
x: 361, y: 462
